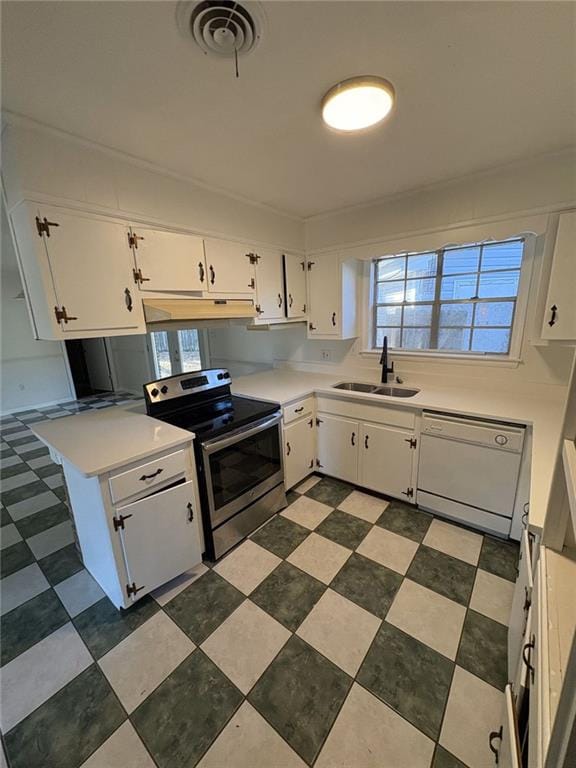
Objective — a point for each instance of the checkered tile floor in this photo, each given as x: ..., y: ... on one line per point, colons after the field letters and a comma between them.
x: 348, y: 631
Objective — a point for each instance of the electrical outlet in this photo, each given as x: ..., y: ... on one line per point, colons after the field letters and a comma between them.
x: 326, y: 354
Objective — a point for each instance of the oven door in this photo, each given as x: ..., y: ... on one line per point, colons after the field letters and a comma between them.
x: 242, y: 466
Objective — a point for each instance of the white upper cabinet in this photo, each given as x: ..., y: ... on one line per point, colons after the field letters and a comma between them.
x: 332, y: 297
x: 560, y: 314
x: 295, y: 281
x: 77, y: 273
x: 269, y: 284
x: 168, y: 261
x: 230, y: 267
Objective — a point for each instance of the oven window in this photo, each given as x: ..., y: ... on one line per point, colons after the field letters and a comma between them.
x: 244, y: 465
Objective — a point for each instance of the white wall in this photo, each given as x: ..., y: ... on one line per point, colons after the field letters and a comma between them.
x: 32, y: 372
x: 130, y: 362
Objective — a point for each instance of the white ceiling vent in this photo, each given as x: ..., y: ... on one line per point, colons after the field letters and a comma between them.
x: 222, y: 27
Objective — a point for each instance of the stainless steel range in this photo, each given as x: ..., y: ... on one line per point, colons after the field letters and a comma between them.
x: 238, y: 447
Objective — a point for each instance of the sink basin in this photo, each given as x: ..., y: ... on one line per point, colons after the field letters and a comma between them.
x: 353, y: 386
x: 387, y: 390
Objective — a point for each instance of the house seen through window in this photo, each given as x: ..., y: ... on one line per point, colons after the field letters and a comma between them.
x: 457, y: 299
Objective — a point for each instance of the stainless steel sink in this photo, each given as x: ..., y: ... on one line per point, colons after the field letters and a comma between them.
x: 386, y: 390
x: 353, y: 386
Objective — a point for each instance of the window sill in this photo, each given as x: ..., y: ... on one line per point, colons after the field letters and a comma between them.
x: 504, y: 361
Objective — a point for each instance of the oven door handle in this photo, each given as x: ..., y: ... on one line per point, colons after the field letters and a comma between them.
x: 217, y: 444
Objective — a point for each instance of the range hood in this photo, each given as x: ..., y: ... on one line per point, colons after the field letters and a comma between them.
x: 166, y: 311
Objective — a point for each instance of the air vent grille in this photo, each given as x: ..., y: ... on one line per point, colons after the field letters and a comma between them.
x: 224, y: 27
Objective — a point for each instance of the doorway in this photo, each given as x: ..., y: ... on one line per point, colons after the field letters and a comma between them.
x: 176, y: 352
x: 89, y: 367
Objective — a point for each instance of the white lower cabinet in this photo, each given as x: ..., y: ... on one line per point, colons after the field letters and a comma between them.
x: 338, y: 441
x: 504, y: 742
x: 520, y: 606
x: 299, y: 451
x: 386, y: 460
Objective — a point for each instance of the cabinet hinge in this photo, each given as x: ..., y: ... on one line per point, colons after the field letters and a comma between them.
x: 62, y: 315
x: 131, y: 589
x: 252, y: 283
x: 318, y: 422
x: 318, y: 463
x: 303, y: 265
x: 412, y: 440
x: 304, y: 309
x: 311, y: 423
x: 43, y: 226
x: 139, y: 278
x: 118, y: 522
x: 310, y: 265
x: 259, y: 309
x: 133, y: 239
x: 254, y: 258
x: 409, y: 492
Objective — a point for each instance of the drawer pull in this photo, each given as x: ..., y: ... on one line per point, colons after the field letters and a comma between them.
x: 201, y: 271
x: 288, y: 449
x: 366, y: 441
x: 190, y: 511
x: 526, y: 657
x: 299, y: 410
x: 353, y: 438
x: 495, y: 751
x: 154, y: 474
x: 553, y: 310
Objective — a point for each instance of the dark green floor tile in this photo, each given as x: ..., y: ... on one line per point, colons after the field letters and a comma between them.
x: 446, y: 575
x: 330, y: 491
x: 15, y: 557
x: 23, y: 492
x: 61, y: 564
x: 13, y: 429
x: 35, y: 454
x: 6, y: 451
x: 483, y: 649
x: 41, y: 521
x: 368, y: 584
x: 31, y: 622
x: 64, y: 731
x: 409, y: 676
x: 15, y: 469
x: 102, y: 626
x: 344, y: 529
x: 300, y: 694
x: 405, y: 520
x: 499, y: 557
x: 291, y: 497
x: 204, y: 605
x: 5, y: 518
x: 288, y: 594
x: 48, y: 470
x: 23, y: 440
x: 60, y: 492
x: 183, y: 716
x: 443, y: 759
x: 281, y: 536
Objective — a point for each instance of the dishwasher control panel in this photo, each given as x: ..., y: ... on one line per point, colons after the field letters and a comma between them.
x: 493, y: 434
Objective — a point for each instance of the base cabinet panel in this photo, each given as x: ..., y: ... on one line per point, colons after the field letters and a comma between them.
x: 386, y: 459
x: 338, y: 447
x: 299, y: 451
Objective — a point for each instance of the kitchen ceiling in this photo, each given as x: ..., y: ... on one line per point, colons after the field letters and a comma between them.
x: 478, y: 84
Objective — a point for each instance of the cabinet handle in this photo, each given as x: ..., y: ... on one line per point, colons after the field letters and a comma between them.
x: 353, y: 438
x: 334, y: 319
x: 201, y: 271
x: 154, y: 474
x: 288, y: 449
x: 290, y: 300
x: 299, y: 410
x: 495, y: 751
x: 212, y: 274
x: 553, y: 310
x: 190, y: 509
x: 365, y: 441
x: 128, y: 299
x: 279, y: 300
x: 525, y: 514
x: 526, y: 657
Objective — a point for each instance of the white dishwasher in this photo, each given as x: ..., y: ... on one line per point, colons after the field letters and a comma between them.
x: 468, y: 470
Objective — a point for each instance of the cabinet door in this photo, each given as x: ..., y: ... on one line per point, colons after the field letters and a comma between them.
x: 504, y: 742
x: 560, y: 317
x: 169, y: 261
x: 520, y: 606
x: 270, y: 285
x: 160, y: 537
x: 230, y: 268
x: 386, y: 458
x: 298, y: 451
x: 91, y: 266
x: 295, y: 277
x: 338, y: 447
x: 324, y: 295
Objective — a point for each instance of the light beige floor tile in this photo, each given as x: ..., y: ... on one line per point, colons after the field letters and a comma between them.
x: 28, y: 507
x: 16, y: 481
x: 340, y: 630
x: 9, y: 535
x: 138, y: 664
x: 122, y: 750
x: 244, y: 645
x: 428, y: 616
x: 368, y: 734
x: 9, y: 461
x: 41, y: 461
x: 28, y: 447
x: 247, y: 742
x: 168, y: 591
x: 21, y: 586
x: 364, y: 506
x: 51, y: 540
x: 307, y: 512
x: 78, y: 592
x: 247, y: 566
x: 492, y: 596
x: 454, y: 541
x: 38, y: 673
x: 473, y: 710
x: 54, y: 481
x: 389, y: 549
x: 310, y: 482
x: 24, y: 432
x: 319, y: 557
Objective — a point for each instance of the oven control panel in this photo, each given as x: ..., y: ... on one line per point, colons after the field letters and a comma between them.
x: 186, y: 384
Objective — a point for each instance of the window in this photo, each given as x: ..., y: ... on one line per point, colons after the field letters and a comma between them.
x: 457, y: 300
x: 175, y: 352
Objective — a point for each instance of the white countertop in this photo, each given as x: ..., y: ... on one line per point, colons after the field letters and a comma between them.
x: 544, y: 415
x: 96, y: 442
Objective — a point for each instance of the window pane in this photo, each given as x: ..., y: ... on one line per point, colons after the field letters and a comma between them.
x: 420, y: 290
x: 463, y: 287
x: 461, y: 260
x: 390, y: 293
x: 457, y: 339
x: 494, y: 284
x: 392, y: 269
x: 389, y: 316
x: 490, y: 340
x: 418, y: 314
x: 494, y: 313
x: 393, y: 337
x: 422, y: 265
x: 456, y: 314
x: 502, y: 256
x: 189, y: 350
x: 416, y: 338
x: 161, y: 352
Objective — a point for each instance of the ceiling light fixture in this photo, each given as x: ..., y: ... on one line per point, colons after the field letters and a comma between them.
x: 358, y: 103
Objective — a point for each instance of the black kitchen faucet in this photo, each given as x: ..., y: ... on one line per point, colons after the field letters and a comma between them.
x: 384, y: 362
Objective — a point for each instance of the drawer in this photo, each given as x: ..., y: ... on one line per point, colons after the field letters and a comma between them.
x: 153, y: 474
x: 297, y: 410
